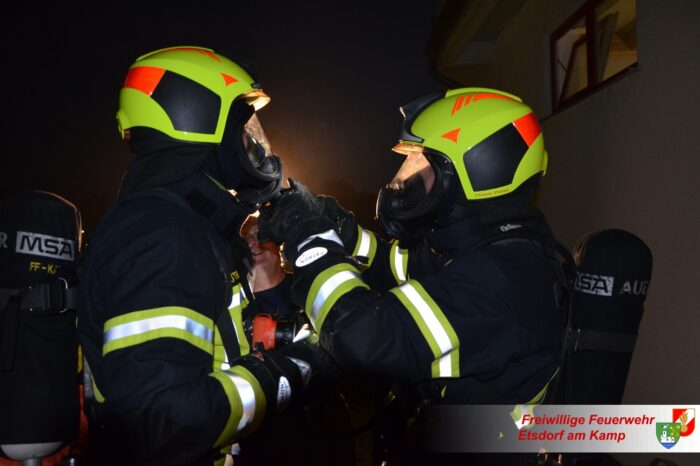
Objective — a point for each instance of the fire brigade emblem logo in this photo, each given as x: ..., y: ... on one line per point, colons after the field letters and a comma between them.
x: 668, y: 433
x: 686, y: 417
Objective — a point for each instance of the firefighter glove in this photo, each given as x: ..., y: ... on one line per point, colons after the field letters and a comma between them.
x: 283, y: 380
x: 293, y: 216
x: 344, y: 220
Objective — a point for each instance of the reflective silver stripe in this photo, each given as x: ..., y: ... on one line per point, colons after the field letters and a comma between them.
x: 434, y: 326
x: 330, y: 235
x: 139, y: 327
x: 398, y: 260
x: 445, y: 365
x: 328, y: 287
x: 225, y: 364
x: 365, y: 243
x: 247, y: 394
x: 236, y: 301
x: 237, y: 298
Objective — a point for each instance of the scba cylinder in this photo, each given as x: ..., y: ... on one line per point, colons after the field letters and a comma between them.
x: 39, y: 244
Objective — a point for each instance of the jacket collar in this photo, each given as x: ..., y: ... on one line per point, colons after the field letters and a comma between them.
x: 484, y: 225
x: 212, y: 201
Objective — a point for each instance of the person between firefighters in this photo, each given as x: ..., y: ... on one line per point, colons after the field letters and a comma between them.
x: 164, y: 286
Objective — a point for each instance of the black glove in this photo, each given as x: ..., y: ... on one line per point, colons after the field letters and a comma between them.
x: 283, y: 381
x: 292, y: 217
x: 325, y: 373
x: 292, y: 375
x: 345, y: 222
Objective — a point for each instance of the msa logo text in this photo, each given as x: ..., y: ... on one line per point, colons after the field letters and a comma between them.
x: 45, y: 245
x: 601, y: 285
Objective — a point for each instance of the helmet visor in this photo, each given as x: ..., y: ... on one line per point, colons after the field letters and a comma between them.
x: 259, y: 156
x: 413, y: 182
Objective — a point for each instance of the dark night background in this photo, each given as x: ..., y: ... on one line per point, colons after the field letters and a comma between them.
x: 337, y: 73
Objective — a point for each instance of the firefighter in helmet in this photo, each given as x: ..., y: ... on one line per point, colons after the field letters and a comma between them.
x: 461, y: 304
x: 164, y: 287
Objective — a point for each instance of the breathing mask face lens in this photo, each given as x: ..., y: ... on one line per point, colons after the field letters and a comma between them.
x: 255, y: 141
x: 412, y: 182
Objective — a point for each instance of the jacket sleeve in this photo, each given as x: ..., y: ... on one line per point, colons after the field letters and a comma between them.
x: 444, y: 325
x: 162, y: 395
x: 383, y: 264
x: 365, y: 332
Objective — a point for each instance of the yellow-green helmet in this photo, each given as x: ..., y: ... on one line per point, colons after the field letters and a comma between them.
x: 491, y: 137
x: 184, y: 93
x: 182, y: 108
x: 488, y: 140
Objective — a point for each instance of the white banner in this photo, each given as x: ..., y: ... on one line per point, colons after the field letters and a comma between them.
x: 560, y: 428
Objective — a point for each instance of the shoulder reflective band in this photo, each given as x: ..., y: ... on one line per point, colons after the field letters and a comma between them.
x: 220, y: 356
x: 434, y: 326
x: 366, y: 246
x: 139, y: 327
x: 246, y: 400
x: 398, y: 260
x: 327, y: 288
x: 235, y: 309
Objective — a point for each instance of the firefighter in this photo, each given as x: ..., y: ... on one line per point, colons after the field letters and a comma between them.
x: 462, y: 304
x: 164, y: 285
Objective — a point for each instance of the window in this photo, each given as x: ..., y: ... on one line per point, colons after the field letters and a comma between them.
x: 597, y: 43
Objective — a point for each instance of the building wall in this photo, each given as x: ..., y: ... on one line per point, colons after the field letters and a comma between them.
x: 627, y: 157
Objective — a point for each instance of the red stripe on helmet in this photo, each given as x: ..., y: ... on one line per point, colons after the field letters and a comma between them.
x: 208, y: 53
x: 144, y: 78
x: 457, y: 105
x: 489, y: 95
x: 528, y: 127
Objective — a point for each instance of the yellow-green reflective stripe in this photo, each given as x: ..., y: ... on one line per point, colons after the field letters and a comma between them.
x: 173, y: 322
x: 434, y: 326
x: 96, y: 391
x: 238, y: 302
x: 245, y: 398
x: 398, y: 260
x: 366, y: 245
x: 327, y: 288
x: 220, y: 356
x: 539, y: 398
x: 238, y: 298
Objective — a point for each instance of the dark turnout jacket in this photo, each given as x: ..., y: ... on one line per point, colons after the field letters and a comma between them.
x: 473, y: 306
x: 158, y: 287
